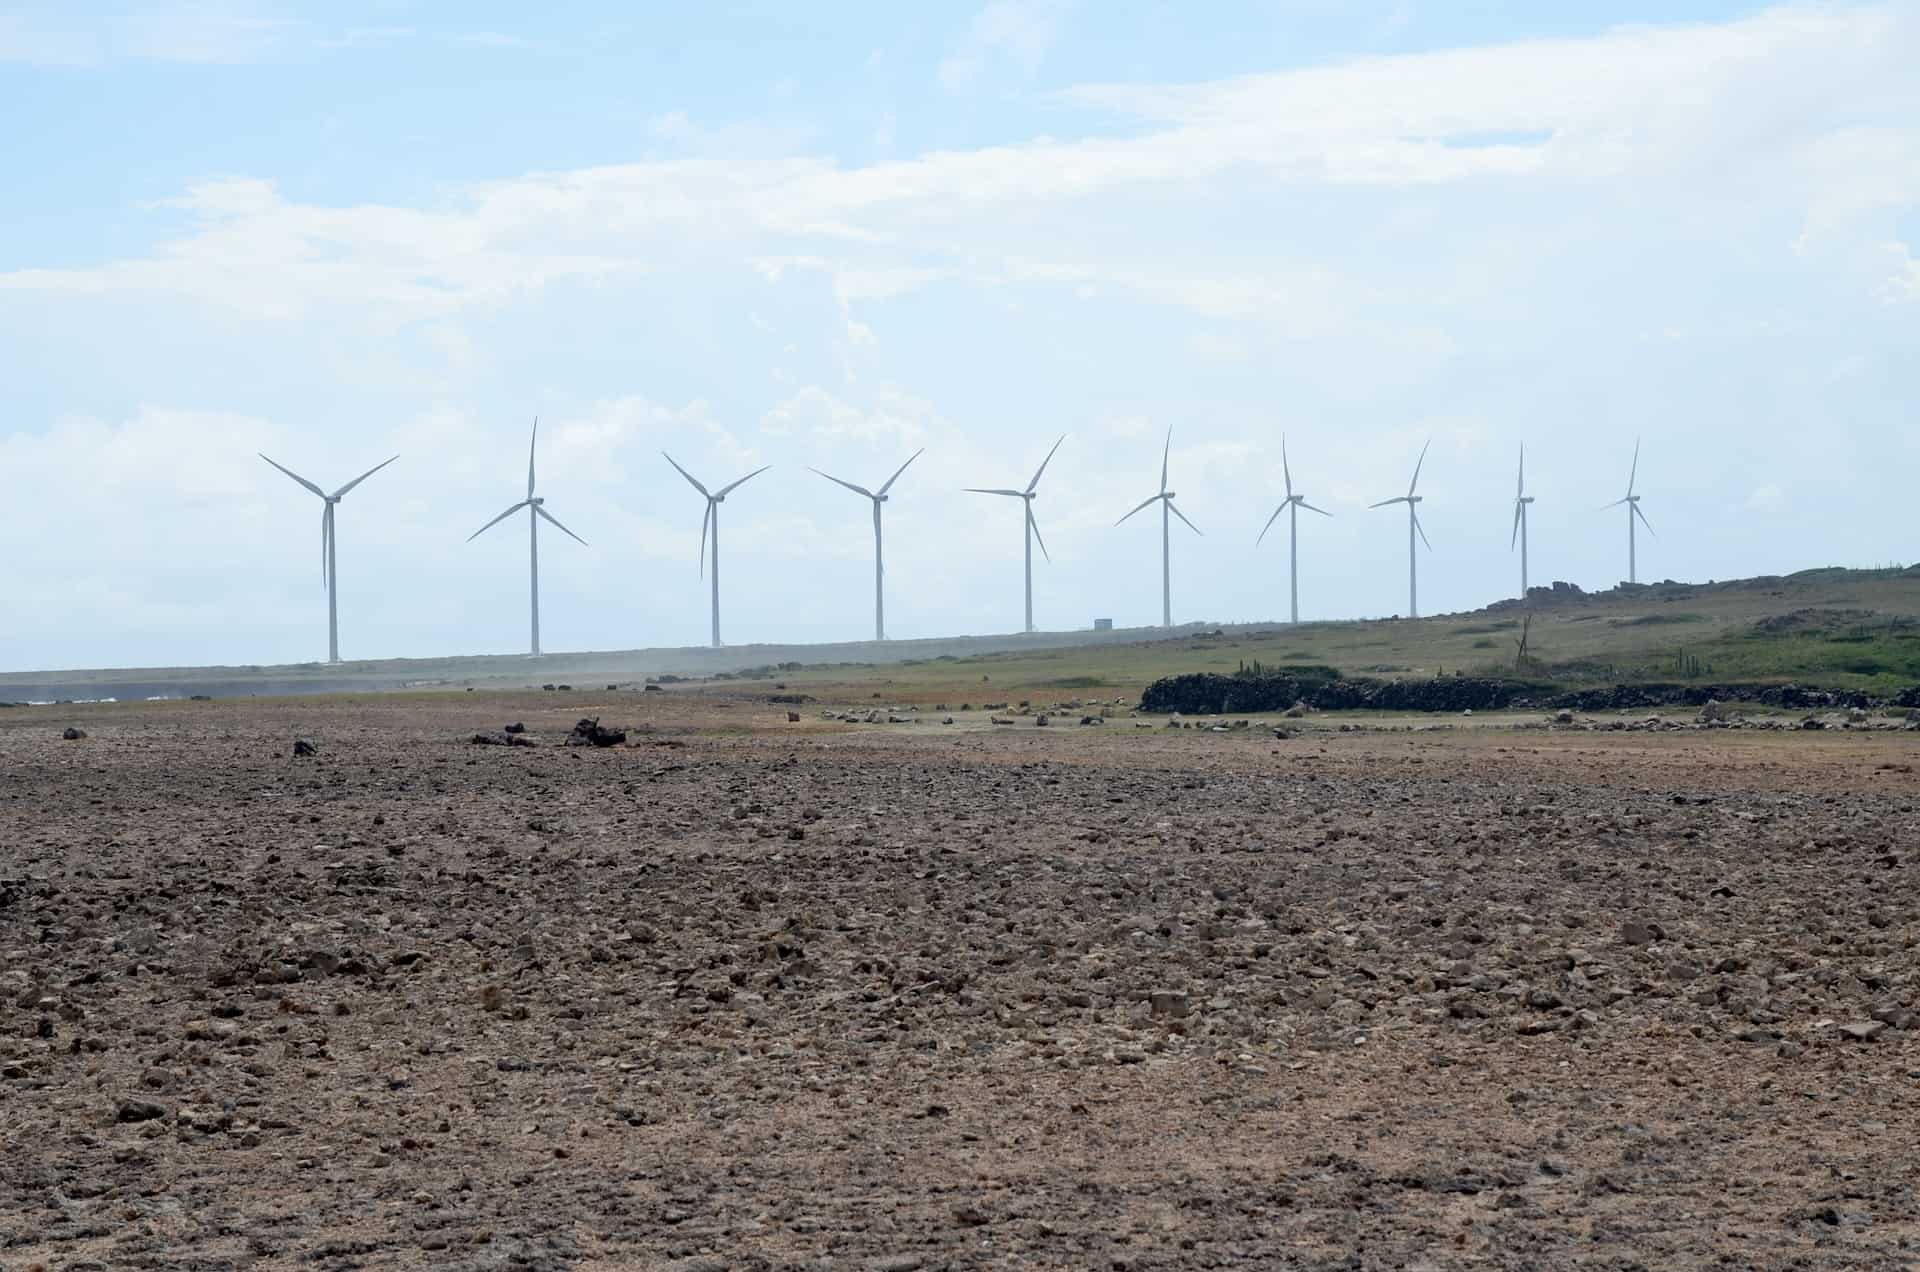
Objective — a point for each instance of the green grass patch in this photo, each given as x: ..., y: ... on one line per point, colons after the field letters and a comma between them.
x: 1658, y: 620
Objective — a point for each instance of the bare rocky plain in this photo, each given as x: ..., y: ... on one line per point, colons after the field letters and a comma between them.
x: 746, y: 993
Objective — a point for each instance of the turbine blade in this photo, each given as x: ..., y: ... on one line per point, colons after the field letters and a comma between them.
x: 1035, y: 527
x: 1043, y: 466
x: 722, y: 492
x: 1513, y: 540
x: 1521, y: 488
x: 362, y: 477
x: 297, y: 477
x: 976, y: 490
x: 858, y: 490
x: 1615, y: 504
x: 541, y: 511
x: 1423, y: 531
x: 1310, y: 508
x: 1143, y: 503
x: 1417, y: 467
x: 903, y: 468
x: 496, y: 521
x: 704, y: 518
x: 1643, y: 520
x: 1286, y: 469
x: 1270, y: 520
x: 326, y: 541
x: 1174, y: 508
x: 689, y: 476
x: 530, y: 444
x: 1166, y: 454
x: 1634, y: 472
x: 1384, y: 502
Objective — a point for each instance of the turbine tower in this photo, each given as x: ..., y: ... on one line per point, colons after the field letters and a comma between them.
x: 1632, y: 501
x: 879, y: 591
x: 1032, y: 527
x: 328, y: 574
x: 1291, y: 505
x: 1520, y: 501
x: 1413, y: 527
x: 536, y: 509
x: 712, y: 518
x: 1165, y: 500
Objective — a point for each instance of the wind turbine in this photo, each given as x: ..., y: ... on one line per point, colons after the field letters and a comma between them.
x: 879, y: 593
x: 1291, y: 505
x: 1165, y: 500
x: 1632, y: 501
x: 536, y: 509
x: 1520, y: 501
x: 1032, y: 527
x: 1413, y: 527
x: 328, y: 560
x: 712, y: 518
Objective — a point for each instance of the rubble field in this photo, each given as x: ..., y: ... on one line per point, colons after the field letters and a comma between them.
x: 743, y: 991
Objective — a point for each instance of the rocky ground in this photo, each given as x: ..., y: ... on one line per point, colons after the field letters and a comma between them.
x: 746, y: 993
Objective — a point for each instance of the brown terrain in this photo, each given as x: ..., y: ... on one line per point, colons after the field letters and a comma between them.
x: 745, y: 993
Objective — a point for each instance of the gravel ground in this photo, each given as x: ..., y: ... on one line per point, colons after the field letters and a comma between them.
x: 751, y: 994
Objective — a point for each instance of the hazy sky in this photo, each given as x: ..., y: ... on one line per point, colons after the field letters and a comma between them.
x: 770, y: 233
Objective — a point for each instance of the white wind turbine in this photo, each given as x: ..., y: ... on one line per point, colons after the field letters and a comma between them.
x: 328, y: 558
x: 536, y: 509
x: 1520, y: 501
x: 1165, y: 500
x: 1291, y: 505
x: 712, y: 519
x: 1413, y: 527
x: 879, y: 592
x: 1632, y: 501
x: 1032, y: 527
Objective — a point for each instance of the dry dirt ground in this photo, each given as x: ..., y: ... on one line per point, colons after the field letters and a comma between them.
x: 747, y: 994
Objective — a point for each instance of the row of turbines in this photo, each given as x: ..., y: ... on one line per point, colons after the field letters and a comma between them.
x: 534, y: 506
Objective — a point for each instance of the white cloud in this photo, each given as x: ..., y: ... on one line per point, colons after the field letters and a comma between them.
x: 200, y: 33
x: 1572, y: 110
x: 1021, y: 31
x: 895, y: 421
x: 1903, y: 276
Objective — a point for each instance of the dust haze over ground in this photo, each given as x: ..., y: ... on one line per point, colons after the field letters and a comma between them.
x: 746, y: 992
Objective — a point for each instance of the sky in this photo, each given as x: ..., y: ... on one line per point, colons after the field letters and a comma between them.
x: 755, y: 233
